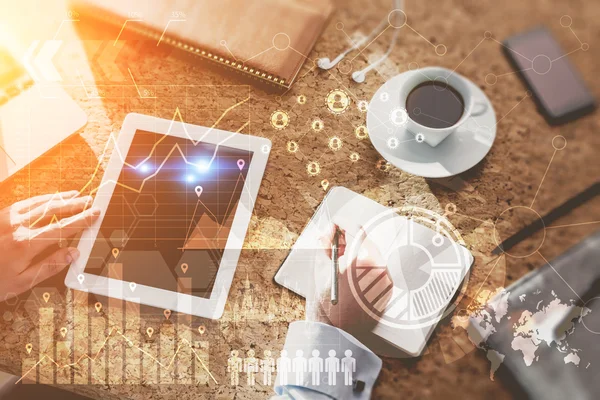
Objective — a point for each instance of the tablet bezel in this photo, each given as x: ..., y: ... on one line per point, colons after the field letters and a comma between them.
x: 212, y: 307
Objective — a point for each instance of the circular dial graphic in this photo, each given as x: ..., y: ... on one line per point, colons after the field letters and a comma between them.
x: 427, y: 263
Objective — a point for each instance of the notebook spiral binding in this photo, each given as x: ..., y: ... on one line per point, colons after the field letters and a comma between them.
x: 181, y: 45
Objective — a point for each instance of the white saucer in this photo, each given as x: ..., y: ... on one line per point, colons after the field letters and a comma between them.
x: 459, y: 152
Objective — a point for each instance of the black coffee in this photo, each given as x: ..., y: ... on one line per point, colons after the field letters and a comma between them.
x: 435, y: 105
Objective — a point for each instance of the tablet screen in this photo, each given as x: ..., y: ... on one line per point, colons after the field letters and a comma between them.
x: 170, y: 215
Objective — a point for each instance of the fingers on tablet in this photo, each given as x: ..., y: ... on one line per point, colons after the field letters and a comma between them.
x: 66, y: 227
x: 44, y: 213
x: 27, y: 205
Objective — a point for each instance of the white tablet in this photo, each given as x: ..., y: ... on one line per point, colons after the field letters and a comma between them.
x: 176, y: 202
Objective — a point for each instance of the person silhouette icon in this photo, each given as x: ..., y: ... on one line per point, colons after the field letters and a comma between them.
x: 348, y: 367
x: 279, y: 120
x: 315, y: 366
x: 234, y: 367
x: 267, y: 366
x: 284, y: 367
x: 337, y: 102
x: 313, y: 168
x: 251, y: 367
x: 361, y: 132
x: 332, y: 367
x: 299, y: 366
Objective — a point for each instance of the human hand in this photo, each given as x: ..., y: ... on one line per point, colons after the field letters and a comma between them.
x: 348, y: 314
x: 27, y: 229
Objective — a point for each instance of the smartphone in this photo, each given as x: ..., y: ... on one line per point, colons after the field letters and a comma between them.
x: 556, y: 86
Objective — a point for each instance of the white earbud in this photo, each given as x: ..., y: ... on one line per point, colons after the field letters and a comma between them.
x: 326, y: 63
x: 359, y: 76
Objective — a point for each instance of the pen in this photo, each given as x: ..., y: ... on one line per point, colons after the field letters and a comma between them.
x: 334, y: 267
x: 574, y: 202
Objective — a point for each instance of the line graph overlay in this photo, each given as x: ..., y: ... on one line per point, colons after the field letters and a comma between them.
x: 176, y: 147
x: 113, y: 139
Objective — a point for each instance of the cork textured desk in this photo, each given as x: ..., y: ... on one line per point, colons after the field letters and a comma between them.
x: 99, y: 73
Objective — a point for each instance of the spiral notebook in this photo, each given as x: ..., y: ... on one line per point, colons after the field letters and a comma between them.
x: 268, y: 40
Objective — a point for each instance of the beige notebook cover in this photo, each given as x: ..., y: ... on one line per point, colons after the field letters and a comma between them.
x: 268, y: 39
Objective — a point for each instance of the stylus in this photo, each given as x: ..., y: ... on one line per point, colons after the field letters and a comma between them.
x: 334, y: 267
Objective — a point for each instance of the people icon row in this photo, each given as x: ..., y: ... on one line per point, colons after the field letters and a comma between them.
x: 315, y: 365
x: 251, y: 366
x: 286, y: 366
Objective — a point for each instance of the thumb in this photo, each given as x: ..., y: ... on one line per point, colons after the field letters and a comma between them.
x: 46, y: 268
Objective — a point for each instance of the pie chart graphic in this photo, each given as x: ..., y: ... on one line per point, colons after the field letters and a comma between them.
x: 427, y: 262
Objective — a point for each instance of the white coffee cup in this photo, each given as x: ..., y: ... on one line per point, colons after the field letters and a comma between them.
x: 473, y: 106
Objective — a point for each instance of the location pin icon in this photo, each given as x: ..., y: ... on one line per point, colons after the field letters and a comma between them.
x: 63, y: 331
x: 46, y: 296
x: 132, y: 286
x: 241, y: 163
x: 198, y: 190
x: 201, y: 329
x: 80, y: 278
x: 115, y: 252
x: 325, y: 184
x: 184, y: 267
x: 149, y: 332
x: 167, y: 313
x: 98, y: 306
x: 28, y: 347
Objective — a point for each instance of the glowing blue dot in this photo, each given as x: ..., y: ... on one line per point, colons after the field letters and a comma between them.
x: 189, y: 178
x: 203, y: 166
x: 144, y: 168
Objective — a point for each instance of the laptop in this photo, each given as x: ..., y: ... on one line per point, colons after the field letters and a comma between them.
x: 34, y: 116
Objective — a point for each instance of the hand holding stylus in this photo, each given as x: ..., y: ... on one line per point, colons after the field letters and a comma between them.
x: 28, y: 228
x: 348, y: 314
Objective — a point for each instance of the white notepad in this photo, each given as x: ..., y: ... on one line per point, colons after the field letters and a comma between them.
x: 426, y: 267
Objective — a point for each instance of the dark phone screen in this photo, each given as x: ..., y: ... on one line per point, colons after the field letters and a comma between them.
x: 556, y: 85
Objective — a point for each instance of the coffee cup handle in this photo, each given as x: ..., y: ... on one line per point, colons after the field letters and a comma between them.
x: 479, y: 107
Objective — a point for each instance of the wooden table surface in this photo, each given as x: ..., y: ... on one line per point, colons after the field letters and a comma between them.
x: 258, y: 311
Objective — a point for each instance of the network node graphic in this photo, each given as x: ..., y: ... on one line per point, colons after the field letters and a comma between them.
x: 337, y: 101
x: 317, y: 125
x: 313, y: 168
x: 398, y: 116
x: 393, y: 142
x: 363, y: 106
x: 280, y: 119
x: 361, y: 132
x: 335, y: 143
x: 383, y: 165
x: 292, y: 146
